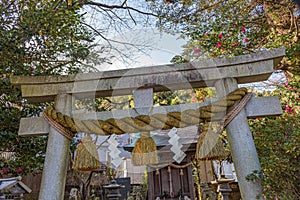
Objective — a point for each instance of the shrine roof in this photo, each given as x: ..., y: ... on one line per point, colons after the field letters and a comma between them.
x: 7, y: 183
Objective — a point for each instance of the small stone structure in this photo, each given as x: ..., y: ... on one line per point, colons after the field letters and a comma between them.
x: 113, y: 190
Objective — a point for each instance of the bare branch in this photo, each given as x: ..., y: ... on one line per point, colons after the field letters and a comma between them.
x: 99, y: 146
x: 131, y: 17
x: 96, y: 31
x: 109, y: 41
x: 124, y: 3
x: 121, y: 20
x: 122, y: 6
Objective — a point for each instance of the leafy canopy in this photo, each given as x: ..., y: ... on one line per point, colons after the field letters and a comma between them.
x: 36, y: 38
x: 230, y: 28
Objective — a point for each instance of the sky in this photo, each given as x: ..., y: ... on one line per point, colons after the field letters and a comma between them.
x: 143, y: 45
x: 159, y: 48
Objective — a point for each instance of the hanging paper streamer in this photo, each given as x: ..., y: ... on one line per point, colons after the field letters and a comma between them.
x: 114, y: 151
x: 176, y: 146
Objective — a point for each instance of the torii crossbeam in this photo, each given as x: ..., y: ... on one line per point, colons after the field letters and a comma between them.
x: 223, y: 73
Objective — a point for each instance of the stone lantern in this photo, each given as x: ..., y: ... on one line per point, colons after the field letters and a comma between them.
x: 113, y: 190
x: 224, y: 187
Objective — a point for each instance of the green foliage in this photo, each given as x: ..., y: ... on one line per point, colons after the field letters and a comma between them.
x: 231, y: 28
x: 36, y: 38
x: 183, y: 96
x: 27, y: 153
x: 196, y: 177
x: 106, y: 103
x: 277, y: 141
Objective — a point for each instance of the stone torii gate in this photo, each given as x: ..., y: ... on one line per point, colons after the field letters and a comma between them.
x: 224, y: 74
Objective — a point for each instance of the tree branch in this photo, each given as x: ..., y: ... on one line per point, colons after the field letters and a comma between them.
x: 122, y: 6
x: 96, y: 31
x: 98, y: 147
x: 131, y: 17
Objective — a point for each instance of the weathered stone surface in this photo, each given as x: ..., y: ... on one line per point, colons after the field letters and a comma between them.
x: 57, y: 157
x: 174, y: 80
x: 263, y: 107
x: 33, y: 126
x: 242, y: 146
x: 143, y: 100
x: 275, y: 55
x: 246, y: 68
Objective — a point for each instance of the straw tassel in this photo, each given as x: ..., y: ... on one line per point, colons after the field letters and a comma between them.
x: 210, y: 146
x: 86, y: 158
x: 144, y: 152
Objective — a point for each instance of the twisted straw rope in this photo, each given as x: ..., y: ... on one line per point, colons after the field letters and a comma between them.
x: 145, y: 122
x: 65, y: 132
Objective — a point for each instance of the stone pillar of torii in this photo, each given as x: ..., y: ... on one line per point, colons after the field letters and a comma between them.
x: 222, y: 73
